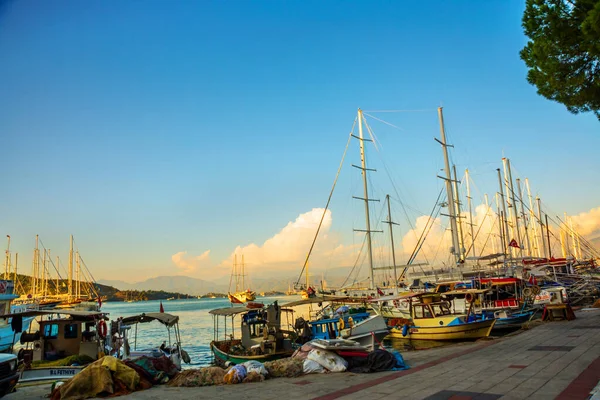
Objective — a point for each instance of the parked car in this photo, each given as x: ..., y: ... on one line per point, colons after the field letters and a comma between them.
x: 9, y: 376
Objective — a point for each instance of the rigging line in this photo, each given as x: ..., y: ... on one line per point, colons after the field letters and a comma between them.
x: 327, y: 205
x: 415, y: 250
x: 387, y: 123
x: 487, y: 239
x: 390, y: 177
x: 477, y: 234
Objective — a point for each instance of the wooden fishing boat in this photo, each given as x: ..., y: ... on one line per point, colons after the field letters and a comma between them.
x: 262, y: 338
x: 432, y: 320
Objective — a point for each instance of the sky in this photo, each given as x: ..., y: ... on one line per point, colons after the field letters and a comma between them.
x: 169, y: 136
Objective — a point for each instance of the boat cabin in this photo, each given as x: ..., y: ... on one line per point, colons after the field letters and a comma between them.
x: 64, y: 333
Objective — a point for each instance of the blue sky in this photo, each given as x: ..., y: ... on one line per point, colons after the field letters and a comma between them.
x: 147, y: 128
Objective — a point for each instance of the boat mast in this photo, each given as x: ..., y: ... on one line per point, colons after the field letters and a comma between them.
x: 16, y: 264
x: 515, y: 213
x: 70, y: 278
x: 524, y: 218
x: 455, y: 250
x: 77, y: 276
x: 36, y: 259
x: 7, y: 258
x: 57, y: 269
x: 487, y: 213
x: 390, y: 223
x: 461, y: 236
x: 41, y: 275
x: 469, y: 200
x: 536, y: 241
x: 243, y: 274
x: 505, y: 241
x: 542, y: 230
x: 363, y: 167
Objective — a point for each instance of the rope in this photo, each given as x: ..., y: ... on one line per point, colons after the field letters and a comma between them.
x: 327, y: 205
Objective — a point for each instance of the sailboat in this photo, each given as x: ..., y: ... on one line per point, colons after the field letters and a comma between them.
x: 240, y: 295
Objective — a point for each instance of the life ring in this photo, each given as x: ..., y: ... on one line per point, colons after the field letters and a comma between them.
x: 469, y: 297
x: 536, y: 290
x: 102, y: 329
x: 445, y: 305
x: 341, y: 324
x: 527, y: 292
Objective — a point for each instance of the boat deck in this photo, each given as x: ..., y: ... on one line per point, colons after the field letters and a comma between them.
x: 554, y: 360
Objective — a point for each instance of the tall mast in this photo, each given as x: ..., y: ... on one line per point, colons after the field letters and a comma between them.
x: 70, y: 283
x: 47, y: 273
x: 390, y: 223
x: 41, y: 281
x: 363, y: 167
x: 57, y: 269
x: 471, y: 213
x: 36, y: 261
x: 523, y: 217
x: 573, y: 239
x: 548, y: 237
x: 16, y: 264
x: 243, y: 273
x: 542, y: 230
x: 77, y: 276
x: 461, y: 237
x: 449, y: 192
x: 532, y: 220
x: 505, y: 241
x: 487, y: 213
x: 7, y: 258
x: 515, y: 211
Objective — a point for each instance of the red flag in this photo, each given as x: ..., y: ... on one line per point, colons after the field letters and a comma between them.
x: 513, y: 243
x: 161, y: 308
x: 99, y: 301
x: 379, y: 292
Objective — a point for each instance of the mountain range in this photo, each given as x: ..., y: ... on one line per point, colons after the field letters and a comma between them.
x: 197, y: 287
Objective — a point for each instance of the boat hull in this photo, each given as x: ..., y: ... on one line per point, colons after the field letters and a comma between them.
x: 466, y: 331
x: 39, y: 374
x: 222, y: 357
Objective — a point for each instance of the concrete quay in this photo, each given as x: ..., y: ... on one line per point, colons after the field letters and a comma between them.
x: 554, y: 360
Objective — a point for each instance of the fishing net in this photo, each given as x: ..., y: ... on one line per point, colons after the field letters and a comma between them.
x: 253, y: 377
x: 198, y: 377
x: 285, y: 367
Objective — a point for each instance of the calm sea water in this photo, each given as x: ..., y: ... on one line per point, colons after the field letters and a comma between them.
x: 195, y: 323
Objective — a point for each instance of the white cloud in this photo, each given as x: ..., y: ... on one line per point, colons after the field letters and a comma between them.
x: 587, y: 223
x: 189, y: 264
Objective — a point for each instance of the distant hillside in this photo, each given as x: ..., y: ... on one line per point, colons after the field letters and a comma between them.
x: 197, y: 287
x: 179, y: 284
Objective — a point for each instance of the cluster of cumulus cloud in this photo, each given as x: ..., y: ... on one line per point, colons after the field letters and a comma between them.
x: 287, y: 249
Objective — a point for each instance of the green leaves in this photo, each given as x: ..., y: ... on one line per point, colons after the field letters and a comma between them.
x: 563, y: 53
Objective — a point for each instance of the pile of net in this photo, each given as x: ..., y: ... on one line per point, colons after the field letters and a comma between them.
x: 110, y: 376
x: 198, y: 377
x: 285, y: 367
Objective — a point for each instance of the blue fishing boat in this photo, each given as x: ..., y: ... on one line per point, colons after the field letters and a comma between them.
x: 506, y: 319
x: 10, y: 328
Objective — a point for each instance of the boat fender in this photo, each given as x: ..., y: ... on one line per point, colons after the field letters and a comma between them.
x: 185, y: 356
x: 102, y: 329
x: 350, y: 322
x: 341, y: 324
x: 405, y: 329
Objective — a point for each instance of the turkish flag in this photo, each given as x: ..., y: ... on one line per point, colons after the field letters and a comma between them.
x: 513, y: 243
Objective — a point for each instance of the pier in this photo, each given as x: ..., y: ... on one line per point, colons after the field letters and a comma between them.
x: 552, y: 360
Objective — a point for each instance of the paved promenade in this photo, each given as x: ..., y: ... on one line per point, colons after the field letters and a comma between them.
x: 555, y: 360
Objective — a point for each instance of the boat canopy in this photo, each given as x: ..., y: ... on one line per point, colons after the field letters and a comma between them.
x: 465, y: 291
x: 164, y: 318
x: 229, y: 311
x: 312, y: 300
x: 77, y: 315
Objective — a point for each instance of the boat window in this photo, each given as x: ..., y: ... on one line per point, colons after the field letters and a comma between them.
x: 422, y: 311
x: 71, y: 331
x: 51, y: 331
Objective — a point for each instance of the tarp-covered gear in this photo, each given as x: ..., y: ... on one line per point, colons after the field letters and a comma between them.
x: 328, y: 360
x: 236, y: 374
x: 377, y: 361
